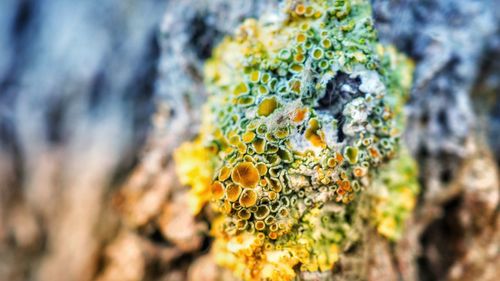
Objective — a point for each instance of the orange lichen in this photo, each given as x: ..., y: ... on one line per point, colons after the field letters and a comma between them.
x: 300, y: 9
x: 260, y: 225
x: 314, y: 134
x: 374, y: 152
x: 262, y: 168
x: 233, y: 192
x: 248, y: 198
x: 301, y: 38
x: 339, y: 157
x: 224, y: 173
x: 299, y: 115
x: 272, y: 195
x: 217, y: 190
x: 359, y: 172
x: 246, y: 174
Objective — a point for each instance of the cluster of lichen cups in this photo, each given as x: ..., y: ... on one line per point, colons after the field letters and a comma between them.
x: 299, y: 119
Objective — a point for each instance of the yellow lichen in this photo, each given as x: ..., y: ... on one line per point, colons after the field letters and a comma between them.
x: 192, y: 165
x: 267, y: 106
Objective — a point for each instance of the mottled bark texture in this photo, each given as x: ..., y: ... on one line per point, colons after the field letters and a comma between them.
x: 95, y: 95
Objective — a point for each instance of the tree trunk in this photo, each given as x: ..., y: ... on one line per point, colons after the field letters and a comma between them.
x: 96, y: 95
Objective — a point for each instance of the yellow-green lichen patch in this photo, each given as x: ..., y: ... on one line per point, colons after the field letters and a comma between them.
x: 259, y: 145
x: 267, y: 106
x: 351, y: 153
x: 394, y: 195
x: 241, y: 88
x: 304, y: 114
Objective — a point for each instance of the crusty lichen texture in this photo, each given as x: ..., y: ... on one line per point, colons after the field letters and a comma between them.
x: 304, y: 112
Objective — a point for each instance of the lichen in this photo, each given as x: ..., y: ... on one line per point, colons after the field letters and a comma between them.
x: 393, y: 195
x: 305, y: 110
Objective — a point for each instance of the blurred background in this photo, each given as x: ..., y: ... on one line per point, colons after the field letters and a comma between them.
x: 96, y: 94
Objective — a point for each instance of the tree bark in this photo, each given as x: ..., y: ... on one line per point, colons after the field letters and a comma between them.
x: 96, y: 95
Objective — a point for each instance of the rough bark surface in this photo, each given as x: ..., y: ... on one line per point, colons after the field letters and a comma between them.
x: 95, y: 95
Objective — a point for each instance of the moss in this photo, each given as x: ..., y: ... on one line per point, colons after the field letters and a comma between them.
x: 305, y: 113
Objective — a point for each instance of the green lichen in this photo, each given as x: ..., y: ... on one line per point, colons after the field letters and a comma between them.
x: 305, y: 108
